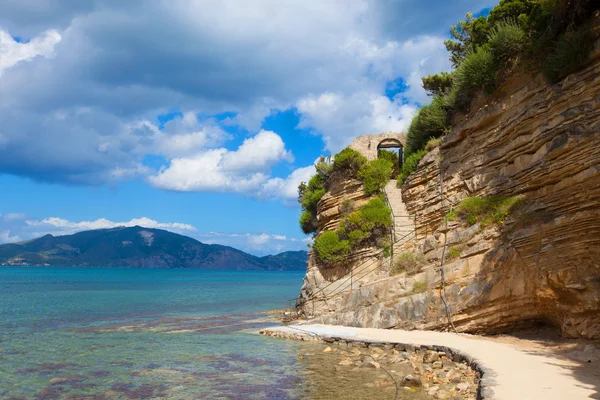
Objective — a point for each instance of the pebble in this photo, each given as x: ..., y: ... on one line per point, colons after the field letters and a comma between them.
x: 430, y: 356
x: 411, y: 380
x: 437, y: 365
x: 461, y: 387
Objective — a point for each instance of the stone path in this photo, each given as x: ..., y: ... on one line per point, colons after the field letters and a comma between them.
x: 404, y: 224
x: 510, y: 372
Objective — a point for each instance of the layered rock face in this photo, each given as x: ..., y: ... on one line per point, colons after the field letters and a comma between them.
x: 535, y: 140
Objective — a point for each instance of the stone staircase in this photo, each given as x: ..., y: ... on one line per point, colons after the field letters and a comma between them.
x: 404, y: 225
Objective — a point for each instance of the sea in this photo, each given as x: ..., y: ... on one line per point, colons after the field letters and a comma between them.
x: 118, y: 333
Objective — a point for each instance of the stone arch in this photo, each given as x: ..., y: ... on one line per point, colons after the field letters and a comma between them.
x: 392, y: 143
x: 367, y: 145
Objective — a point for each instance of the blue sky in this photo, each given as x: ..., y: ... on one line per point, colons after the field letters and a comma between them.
x: 198, y: 117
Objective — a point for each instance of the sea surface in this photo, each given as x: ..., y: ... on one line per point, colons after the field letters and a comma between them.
x: 100, y: 333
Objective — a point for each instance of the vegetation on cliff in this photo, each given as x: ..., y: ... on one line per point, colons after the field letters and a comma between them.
x: 368, y: 225
x: 554, y: 36
x: 347, y: 164
x: 484, y: 210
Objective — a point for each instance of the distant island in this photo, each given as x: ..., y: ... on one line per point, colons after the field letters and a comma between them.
x: 142, y: 248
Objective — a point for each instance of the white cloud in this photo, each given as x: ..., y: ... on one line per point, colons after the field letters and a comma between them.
x: 7, y: 237
x: 255, y: 243
x: 221, y: 170
x: 13, y: 52
x: 64, y: 226
x: 13, y: 216
x: 342, y: 118
x: 287, y: 188
x: 80, y: 113
x: 257, y: 153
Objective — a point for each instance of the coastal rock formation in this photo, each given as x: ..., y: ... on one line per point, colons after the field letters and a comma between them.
x: 535, y: 140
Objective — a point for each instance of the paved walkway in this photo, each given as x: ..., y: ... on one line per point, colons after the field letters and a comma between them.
x: 510, y: 372
x: 404, y: 224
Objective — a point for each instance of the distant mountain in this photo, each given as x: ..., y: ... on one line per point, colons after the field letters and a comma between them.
x: 288, y: 260
x: 141, y: 247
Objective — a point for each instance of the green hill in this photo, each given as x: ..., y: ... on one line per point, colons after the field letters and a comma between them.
x: 140, y: 247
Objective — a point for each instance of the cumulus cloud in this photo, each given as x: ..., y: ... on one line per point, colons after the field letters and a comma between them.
x: 13, y: 52
x: 287, y: 188
x: 98, y: 73
x: 343, y: 118
x: 221, y: 170
x: 255, y: 243
x: 64, y: 226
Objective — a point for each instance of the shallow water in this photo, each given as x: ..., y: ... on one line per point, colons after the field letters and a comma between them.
x: 92, y: 333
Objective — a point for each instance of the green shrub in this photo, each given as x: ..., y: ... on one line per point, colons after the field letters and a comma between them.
x: 478, y: 71
x: 394, y: 158
x: 493, y: 209
x: 467, y: 35
x: 432, y: 144
x: 431, y: 122
x: 377, y: 212
x: 506, y: 40
x: 570, y: 54
x: 369, y: 223
x: 437, y: 84
x: 410, y: 165
x: 308, y: 197
x: 512, y: 10
x: 349, y: 162
x: 308, y: 222
x: 375, y: 175
x: 419, y: 287
x: 451, y: 215
x: 330, y: 248
x: 454, y: 252
x: 408, y: 262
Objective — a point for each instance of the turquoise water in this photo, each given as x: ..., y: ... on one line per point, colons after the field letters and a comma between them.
x: 95, y: 333
x: 102, y: 334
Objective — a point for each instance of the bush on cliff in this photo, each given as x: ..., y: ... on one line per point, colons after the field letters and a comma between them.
x: 431, y: 122
x: 409, y: 262
x: 485, y: 210
x: 308, y: 197
x: 368, y: 224
x: 375, y: 175
x: 570, y: 54
x: 330, y: 248
x: 349, y: 162
x: 410, y: 165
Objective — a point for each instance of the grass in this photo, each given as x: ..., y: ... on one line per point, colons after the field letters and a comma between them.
x: 453, y: 252
x: 419, y: 287
x: 485, y: 210
x: 409, y: 262
x: 432, y: 144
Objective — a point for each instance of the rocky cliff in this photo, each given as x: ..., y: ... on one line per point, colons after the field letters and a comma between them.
x: 532, y: 139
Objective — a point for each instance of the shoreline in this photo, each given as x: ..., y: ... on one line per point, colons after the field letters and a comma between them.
x: 541, y: 375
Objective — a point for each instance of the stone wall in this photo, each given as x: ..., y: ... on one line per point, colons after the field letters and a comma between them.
x: 367, y: 144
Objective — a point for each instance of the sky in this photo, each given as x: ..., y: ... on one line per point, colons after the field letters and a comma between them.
x: 199, y: 117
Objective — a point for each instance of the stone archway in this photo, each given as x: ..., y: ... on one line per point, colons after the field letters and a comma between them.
x: 391, y: 144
